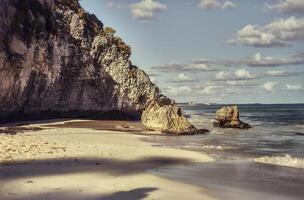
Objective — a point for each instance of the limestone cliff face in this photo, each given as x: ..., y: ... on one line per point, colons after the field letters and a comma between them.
x: 55, y: 58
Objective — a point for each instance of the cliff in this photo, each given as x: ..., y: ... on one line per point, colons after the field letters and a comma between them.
x: 57, y: 59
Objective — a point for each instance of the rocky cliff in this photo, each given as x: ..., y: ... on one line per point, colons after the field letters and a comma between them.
x: 57, y: 59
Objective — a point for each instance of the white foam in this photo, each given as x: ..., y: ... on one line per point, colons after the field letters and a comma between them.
x: 287, y: 161
x: 215, y: 147
x: 217, y: 131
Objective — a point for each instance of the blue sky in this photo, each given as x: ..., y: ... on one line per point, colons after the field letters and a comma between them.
x: 237, y: 51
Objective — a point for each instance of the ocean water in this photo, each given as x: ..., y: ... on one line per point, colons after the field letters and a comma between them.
x: 278, y: 130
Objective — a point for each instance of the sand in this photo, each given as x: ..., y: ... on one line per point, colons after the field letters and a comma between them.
x: 89, y: 163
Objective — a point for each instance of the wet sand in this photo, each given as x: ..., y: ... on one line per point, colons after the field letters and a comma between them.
x: 238, y: 180
x: 82, y: 161
x: 108, y: 125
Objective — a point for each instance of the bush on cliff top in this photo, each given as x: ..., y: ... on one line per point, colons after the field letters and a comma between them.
x: 122, y: 47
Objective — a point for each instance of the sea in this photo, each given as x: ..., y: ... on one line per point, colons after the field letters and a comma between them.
x: 264, y: 162
x: 277, y: 130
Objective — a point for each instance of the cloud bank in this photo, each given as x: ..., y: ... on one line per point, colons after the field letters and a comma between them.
x: 278, y: 33
x: 179, y: 67
x: 287, y: 6
x: 214, y: 4
x: 258, y: 60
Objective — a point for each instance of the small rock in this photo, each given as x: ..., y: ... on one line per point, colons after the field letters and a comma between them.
x: 228, y: 117
x: 124, y: 125
x: 30, y: 181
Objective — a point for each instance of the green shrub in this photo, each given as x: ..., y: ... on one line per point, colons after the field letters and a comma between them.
x: 122, y: 47
x: 109, y: 31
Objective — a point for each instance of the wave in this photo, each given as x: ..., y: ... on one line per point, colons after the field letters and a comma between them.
x: 217, y: 147
x: 286, y: 161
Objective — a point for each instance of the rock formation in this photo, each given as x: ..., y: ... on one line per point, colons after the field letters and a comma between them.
x: 168, y: 119
x: 228, y: 117
x: 58, y: 60
x: 55, y: 58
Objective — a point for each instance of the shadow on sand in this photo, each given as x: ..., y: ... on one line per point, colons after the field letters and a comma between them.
x: 33, y: 169
x: 22, y: 169
x: 135, y: 194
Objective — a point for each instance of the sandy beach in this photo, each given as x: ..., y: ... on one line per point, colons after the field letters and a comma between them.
x: 85, y: 159
x: 82, y: 163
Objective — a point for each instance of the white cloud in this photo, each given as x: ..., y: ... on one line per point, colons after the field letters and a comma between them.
x: 243, y: 73
x: 209, y: 4
x: 112, y: 4
x: 179, y: 67
x: 241, y: 76
x: 241, y: 83
x: 220, y: 89
x: 276, y: 73
x: 278, y: 33
x: 210, y: 89
x: 288, y: 29
x: 177, y: 90
x: 253, y: 35
x: 287, y: 6
x: 222, y: 75
x: 238, y: 75
x: 295, y: 87
x: 258, y: 60
x: 184, y: 78
x: 281, y: 73
x: 229, y: 4
x: 270, y: 86
x: 145, y: 10
x: 199, y: 67
x: 169, y: 67
x: 185, y: 88
x: 213, y: 4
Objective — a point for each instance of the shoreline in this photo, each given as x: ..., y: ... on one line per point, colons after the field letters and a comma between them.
x: 73, y: 161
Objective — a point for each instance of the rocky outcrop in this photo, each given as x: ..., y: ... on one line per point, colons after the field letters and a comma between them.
x: 168, y: 119
x: 228, y: 117
x: 57, y: 60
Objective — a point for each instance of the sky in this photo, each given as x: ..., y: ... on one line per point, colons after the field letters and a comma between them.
x: 214, y: 51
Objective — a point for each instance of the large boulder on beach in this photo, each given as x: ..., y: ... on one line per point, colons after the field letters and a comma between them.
x: 168, y: 119
x: 228, y: 117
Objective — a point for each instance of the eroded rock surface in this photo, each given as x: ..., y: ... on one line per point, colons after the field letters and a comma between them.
x: 168, y: 119
x: 228, y: 117
x: 56, y: 58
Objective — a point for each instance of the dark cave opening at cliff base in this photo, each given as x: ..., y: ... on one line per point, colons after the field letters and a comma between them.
x: 90, y: 115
